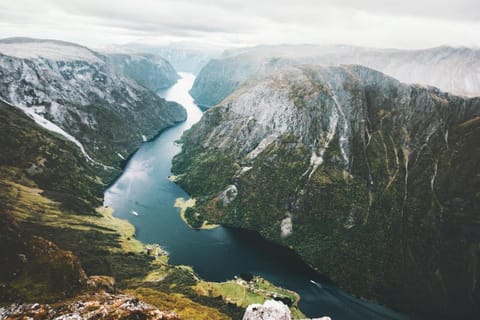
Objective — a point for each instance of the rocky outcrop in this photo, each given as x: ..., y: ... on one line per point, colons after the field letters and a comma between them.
x: 370, y: 180
x: 271, y: 310
x: 91, y: 306
x: 152, y: 72
x: 453, y: 70
x: 81, y: 95
x: 101, y: 283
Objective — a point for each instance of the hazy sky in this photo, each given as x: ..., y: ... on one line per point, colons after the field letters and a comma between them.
x: 378, y: 23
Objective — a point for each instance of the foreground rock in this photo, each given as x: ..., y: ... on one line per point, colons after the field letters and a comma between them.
x: 271, y: 310
x: 95, y: 306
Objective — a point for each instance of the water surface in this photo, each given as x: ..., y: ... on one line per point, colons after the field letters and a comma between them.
x: 221, y: 253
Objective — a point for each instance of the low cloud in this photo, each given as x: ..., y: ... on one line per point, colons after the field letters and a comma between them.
x: 377, y: 23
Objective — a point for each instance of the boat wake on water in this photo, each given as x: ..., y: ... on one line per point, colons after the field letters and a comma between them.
x: 317, y: 284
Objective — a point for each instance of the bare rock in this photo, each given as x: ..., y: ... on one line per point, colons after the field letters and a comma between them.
x: 96, y: 306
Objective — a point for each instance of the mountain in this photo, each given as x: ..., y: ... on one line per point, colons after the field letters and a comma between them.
x: 372, y: 181
x: 184, y: 56
x: 454, y: 70
x: 152, y: 72
x: 82, y: 95
x: 187, y: 59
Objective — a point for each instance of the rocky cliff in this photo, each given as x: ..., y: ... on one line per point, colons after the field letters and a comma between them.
x: 152, y: 72
x: 372, y: 181
x: 80, y: 94
x: 454, y: 70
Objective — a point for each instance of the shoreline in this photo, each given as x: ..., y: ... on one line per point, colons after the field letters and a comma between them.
x: 183, y: 205
x: 259, y: 287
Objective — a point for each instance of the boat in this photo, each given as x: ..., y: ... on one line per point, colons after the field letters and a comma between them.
x: 135, y: 213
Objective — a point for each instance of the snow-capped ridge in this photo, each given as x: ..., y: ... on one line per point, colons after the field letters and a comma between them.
x: 25, y: 48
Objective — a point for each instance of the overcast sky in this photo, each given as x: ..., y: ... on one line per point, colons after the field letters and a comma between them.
x: 376, y: 23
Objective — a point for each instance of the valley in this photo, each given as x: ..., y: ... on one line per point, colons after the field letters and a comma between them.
x: 222, y: 253
x: 278, y: 180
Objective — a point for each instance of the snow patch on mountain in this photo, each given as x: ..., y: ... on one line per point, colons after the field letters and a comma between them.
x: 73, y: 90
x: 32, y: 113
x: 50, y: 50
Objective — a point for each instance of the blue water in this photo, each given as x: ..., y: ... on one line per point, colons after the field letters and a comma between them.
x: 221, y: 253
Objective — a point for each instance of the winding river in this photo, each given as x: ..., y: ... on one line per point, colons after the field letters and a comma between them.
x: 221, y: 253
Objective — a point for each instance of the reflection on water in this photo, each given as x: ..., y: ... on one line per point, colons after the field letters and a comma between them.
x: 221, y: 253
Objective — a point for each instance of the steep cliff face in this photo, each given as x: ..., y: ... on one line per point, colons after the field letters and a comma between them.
x: 152, y: 72
x: 81, y: 95
x: 455, y: 70
x: 374, y: 182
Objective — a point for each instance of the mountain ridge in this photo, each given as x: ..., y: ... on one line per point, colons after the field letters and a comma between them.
x: 352, y: 165
x: 86, y: 96
x: 451, y: 69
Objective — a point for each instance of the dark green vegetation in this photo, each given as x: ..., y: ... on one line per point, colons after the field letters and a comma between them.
x: 194, y: 219
x: 400, y: 224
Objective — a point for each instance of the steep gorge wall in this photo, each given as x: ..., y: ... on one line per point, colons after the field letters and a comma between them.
x: 374, y: 182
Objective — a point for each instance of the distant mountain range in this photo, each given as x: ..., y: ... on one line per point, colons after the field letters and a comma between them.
x: 185, y: 57
x: 454, y: 70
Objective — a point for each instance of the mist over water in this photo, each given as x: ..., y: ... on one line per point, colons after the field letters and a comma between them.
x: 144, y: 196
